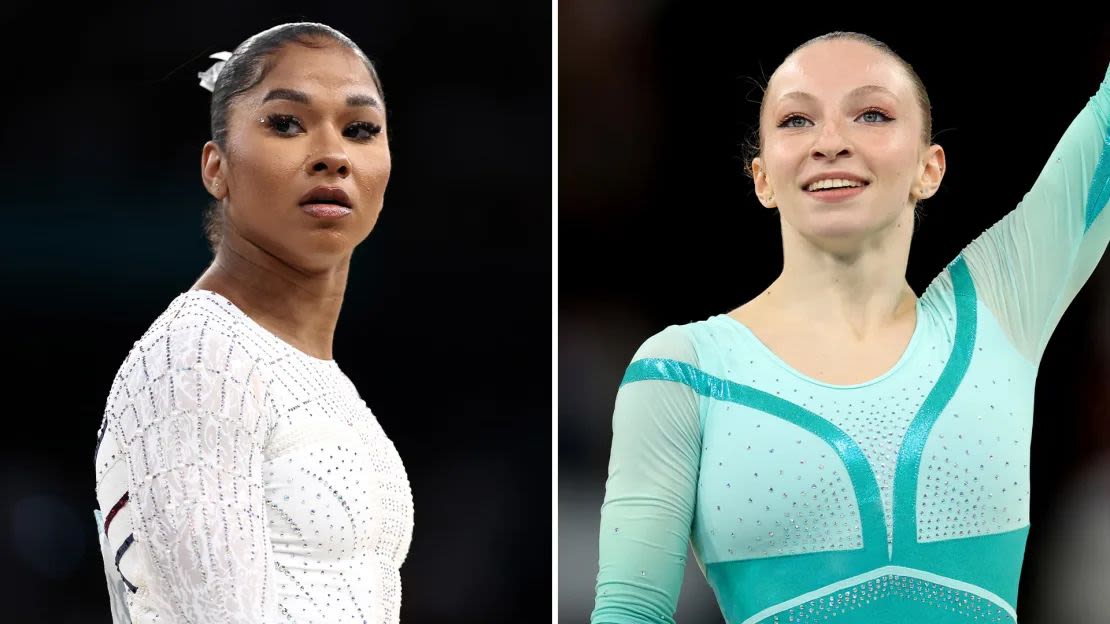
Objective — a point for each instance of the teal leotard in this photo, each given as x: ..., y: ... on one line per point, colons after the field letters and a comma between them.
x: 902, y: 499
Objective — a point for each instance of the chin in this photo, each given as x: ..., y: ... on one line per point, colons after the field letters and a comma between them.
x: 333, y: 240
x: 839, y: 224
x: 849, y: 221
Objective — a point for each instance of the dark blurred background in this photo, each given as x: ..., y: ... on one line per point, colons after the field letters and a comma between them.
x: 659, y: 225
x: 446, y: 325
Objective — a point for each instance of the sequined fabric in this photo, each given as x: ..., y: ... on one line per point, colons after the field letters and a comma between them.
x: 892, y: 589
x: 250, y: 481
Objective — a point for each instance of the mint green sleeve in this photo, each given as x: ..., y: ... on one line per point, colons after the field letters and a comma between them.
x: 650, y: 492
x: 1028, y: 267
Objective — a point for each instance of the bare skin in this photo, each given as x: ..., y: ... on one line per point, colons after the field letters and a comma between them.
x: 841, y: 311
x: 285, y: 269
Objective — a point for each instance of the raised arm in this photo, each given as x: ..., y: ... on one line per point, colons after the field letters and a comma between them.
x: 650, y: 492
x: 1030, y: 265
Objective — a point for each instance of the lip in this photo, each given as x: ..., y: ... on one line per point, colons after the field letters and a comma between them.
x: 325, y: 211
x: 326, y: 195
x: 837, y: 195
x: 840, y: 175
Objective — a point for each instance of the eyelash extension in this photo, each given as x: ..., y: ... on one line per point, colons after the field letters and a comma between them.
x: 372, y: 129
x: 782, y: 123
x: 275, y: 120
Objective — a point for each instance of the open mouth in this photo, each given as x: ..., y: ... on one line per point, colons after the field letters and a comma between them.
x: 321, y: 202
x: 327, y: 196
x: 857, y: 185
x: 837, y: 194
x: 837, y: 188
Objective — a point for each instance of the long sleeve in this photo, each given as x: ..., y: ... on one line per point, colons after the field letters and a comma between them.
x: 1030, y: 265
x: 193, y: 423
x: 650, y: 492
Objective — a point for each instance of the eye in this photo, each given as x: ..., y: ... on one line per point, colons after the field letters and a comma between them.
x: 281, y: 124
x: 362, y: 131
x: 875, y: 111
x: 787, y: 122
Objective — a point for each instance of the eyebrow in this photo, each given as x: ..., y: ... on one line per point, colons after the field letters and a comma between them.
x: 302, y: 98
x: 857, y: 92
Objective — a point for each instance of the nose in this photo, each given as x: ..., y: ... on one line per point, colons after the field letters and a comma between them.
x: 830, y: 143
x: 333, y: 162
x: 331, y: 158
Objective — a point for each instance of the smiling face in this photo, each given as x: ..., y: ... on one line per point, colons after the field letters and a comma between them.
x: 843, y: 108
x: 315, y: 120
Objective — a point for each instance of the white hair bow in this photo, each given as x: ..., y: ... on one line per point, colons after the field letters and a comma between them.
x: 208, y: 78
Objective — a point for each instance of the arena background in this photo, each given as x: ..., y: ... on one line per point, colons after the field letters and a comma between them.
x: 446, y: 325
x: 659, y: 225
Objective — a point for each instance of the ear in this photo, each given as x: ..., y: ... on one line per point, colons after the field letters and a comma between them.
x: 932, y: 172
x: 211, y: 170
x: 763, y: 188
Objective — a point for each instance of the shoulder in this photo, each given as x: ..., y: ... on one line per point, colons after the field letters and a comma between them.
x: 953, y: 281
x: 200, y: 327
x: 199, y: 332
x: 681, y: 342
x: 673, y: 343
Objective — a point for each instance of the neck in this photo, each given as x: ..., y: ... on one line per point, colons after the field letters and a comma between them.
x: 856, y: 287
x: 300, y: 306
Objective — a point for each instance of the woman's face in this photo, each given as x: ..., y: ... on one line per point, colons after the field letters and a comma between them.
x: 843, y: 106
x: 316, y: 120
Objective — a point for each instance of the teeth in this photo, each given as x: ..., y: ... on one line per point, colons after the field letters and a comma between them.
x: 832, y: 183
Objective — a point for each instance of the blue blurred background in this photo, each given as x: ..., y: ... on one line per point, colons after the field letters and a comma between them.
x: 446, y: 327
x: 659, y: 225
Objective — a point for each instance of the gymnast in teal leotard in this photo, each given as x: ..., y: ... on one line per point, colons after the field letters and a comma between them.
x: 839, y: 449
